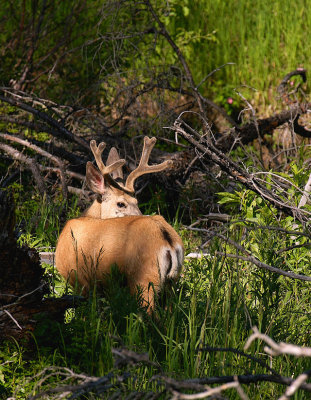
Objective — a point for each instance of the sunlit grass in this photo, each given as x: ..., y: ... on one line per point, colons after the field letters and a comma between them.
x: 264, y: 39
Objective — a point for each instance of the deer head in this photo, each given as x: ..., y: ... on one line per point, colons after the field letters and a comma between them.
x: 116, y: 199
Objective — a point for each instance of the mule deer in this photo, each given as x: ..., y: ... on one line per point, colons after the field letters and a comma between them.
x: 146, y: 249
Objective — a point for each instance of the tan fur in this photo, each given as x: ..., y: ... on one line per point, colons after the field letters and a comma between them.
x: 108, y: 207
x: 145, y: 248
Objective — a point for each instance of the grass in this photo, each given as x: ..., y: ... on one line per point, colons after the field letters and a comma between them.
x: 209, y: 312
x: 217, y: 299
x: 215, y: 304
x: 264, y: 39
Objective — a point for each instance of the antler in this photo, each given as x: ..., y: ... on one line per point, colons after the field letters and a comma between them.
x: 97, y: 151
x: 143, y: 167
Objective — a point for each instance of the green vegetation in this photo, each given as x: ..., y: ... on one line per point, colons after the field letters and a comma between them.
x: 215, y: 304
x: 264, y: 39
x: 80, y: 58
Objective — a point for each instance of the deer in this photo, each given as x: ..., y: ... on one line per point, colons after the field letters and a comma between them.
x: 113, y: 231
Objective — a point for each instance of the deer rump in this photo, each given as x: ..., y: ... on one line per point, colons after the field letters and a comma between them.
x: 146, y: 250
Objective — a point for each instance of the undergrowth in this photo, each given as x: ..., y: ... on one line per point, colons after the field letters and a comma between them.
x: 210, y: 311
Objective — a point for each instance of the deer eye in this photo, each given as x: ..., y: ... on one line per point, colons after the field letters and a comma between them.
x: 120, y: 204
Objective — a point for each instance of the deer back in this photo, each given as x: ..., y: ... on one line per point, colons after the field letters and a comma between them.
x: 145, y: 248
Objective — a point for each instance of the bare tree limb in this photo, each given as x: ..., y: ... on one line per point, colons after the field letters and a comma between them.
x: 298, y: 382
x: 46, y: 118
x: 251, y: 258
x: 30, y: 164
x: 247, y: 133
x: 239, y: 352
x: 209, y: 152
x: 276, y: 349
x: 44, y: 153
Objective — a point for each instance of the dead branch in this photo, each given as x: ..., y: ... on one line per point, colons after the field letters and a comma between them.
x: 29, y: 163
x: 275, y: 349
x: 298, y: 382
x: 44, y: 153
x: 209, y: 152
x: 267, y: 267
x: 249, y: 257
x: 299, y: 129
x: 206, y: 393
x: 244, y: 379
x: 239, y: 352
x: 247, y: 133
x: 114, y: 383
x: 60, y: 130
x: 79, y: 384
x: 72, y: 174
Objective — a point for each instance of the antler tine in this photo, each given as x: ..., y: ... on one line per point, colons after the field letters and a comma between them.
x: 143, y: 167
x: 97, y: 151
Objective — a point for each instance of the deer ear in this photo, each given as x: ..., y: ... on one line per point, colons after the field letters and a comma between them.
x: 94, y: 179
x: 112, y: 158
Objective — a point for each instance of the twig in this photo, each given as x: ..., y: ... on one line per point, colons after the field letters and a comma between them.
x: 292, y: 389
x: 18, y: 300
x: 240, y: 390
x: 44, y: 153
x: 251, y: 258
x: 210, y: 152
x: 247, y: 133
x: 14, y: 320
x: 46, y: 118
x: 276, y: 349
x: 241, y: 353
x: 207, y: 393
x: 29, y: 162
x: 267, y: 267
x: 245, y: 379
x: 72, y: 174
x: 295, y: 246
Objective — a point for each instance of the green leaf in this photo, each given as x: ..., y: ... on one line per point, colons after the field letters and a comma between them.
x: 186, y: 11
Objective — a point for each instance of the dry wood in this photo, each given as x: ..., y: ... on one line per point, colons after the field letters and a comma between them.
x: 208, y: 152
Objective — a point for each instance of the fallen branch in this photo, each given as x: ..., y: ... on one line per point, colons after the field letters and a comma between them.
x: 240, y: 353
x: 209, y: 152
x: 275, y: 349
x: 44, y: 153
x: 247, y: 133
x: 244, y: 379
x: 62, y: 131
x: 29, y: 163
x: 249, y: 257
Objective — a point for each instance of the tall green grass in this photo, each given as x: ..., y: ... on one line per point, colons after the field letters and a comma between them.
x: 265, y: 39
x: 209, y: 312
x: 211, y: 307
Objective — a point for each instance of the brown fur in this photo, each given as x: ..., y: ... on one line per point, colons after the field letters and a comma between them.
x: 135, y: 243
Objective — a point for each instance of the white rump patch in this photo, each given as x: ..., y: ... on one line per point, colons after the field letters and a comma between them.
x: 170, y: 262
